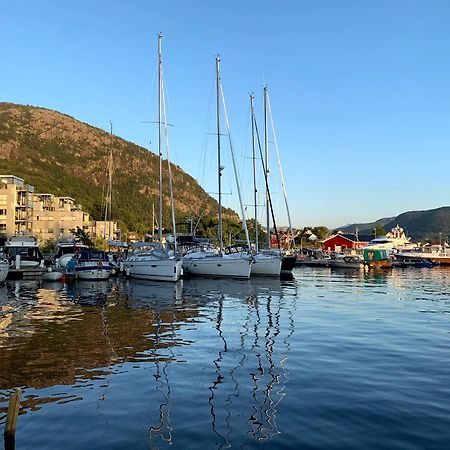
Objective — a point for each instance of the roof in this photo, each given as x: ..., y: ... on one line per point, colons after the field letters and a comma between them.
x: 352, y: 237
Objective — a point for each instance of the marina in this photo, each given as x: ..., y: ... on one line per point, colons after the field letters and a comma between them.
x: 222, y: 226
x: 263, y: 363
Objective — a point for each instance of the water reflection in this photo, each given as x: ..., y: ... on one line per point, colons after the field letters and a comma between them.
x: 83, y: 334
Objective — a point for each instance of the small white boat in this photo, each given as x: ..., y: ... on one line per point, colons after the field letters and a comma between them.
x: 52, y: 275
x: 92, y: 265
x: 350, y: 261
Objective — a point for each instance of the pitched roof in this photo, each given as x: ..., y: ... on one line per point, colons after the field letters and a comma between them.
x: 352, y: 237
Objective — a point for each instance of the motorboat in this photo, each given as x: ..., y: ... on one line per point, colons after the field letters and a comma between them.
x: 347, y: 261
x: 52, y: 275
x: 377, y: 258
x: 317, y: 259
x: 153, y: 261
x: 91, y: 264
x: 23, y: 252
x: 65, y: 251
x: 436, y: 254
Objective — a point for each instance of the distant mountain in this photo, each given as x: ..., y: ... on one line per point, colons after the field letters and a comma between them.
x: 63, y: 156
x: 365, y: 228
x: 431, y: 224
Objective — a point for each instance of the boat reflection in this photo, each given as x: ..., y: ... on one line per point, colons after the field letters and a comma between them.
x: 83, y: 334
x: 252, y: 350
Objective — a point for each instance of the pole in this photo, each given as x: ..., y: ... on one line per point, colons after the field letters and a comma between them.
x: 110, y: 182
x: 11, y: 420
x: 266, y: 148
x: 159, y: 136
x: 219, y: 230
x: 255, y: 190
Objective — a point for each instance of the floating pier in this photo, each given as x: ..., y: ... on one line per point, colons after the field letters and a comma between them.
x: 27, y: 273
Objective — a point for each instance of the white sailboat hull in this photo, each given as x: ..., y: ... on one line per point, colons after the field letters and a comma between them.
x: 154, y: 269
x: 218, y: 266
x: 264, y: 265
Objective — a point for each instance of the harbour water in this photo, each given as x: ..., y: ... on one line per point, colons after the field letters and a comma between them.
x: 330, y: 359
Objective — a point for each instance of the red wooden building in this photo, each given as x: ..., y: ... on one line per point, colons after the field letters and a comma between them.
x: 342, y: 241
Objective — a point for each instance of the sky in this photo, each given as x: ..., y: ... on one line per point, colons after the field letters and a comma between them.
x: 360, y: 91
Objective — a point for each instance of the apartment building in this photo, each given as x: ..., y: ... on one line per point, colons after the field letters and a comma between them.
x: 16, y: 205
x: 22, y: 211
x: 105, y: 229
x: 53, y: 217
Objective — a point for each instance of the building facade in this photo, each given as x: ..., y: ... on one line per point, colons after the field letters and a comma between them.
x: 16, y: 206
x: 48, y: 217
x: 340, y: 242
x: 54, y: 217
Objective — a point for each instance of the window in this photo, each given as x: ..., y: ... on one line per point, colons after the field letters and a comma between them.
x: 3, y: 212
x: 2, y: 226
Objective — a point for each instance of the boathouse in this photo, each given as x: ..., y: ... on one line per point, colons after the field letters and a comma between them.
x: 343, y: 241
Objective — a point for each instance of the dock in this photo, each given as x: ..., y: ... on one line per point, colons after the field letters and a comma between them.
x: 28, y: 273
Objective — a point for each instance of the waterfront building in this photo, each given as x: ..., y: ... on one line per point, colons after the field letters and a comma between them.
x: 343, y: 241
x: 108, y: 229
x: 53, y: 217
x: 16, y: 206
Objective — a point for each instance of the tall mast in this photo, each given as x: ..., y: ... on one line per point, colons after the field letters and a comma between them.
x: 159, y: 135
x: 266, y: 148
x: 108, y: 198
x: 283, y: 184
x: 255, y: 190
x: 110, y: 181
x: 219, y: 167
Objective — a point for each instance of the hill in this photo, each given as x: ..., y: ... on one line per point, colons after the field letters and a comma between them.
x: 420, y: 225
x: 63, y: 156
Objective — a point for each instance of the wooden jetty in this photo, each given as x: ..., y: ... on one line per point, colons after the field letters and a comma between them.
x: 27, y: 273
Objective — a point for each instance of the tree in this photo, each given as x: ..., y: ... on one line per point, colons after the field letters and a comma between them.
x: 82, y: 236
x: 379, y: 231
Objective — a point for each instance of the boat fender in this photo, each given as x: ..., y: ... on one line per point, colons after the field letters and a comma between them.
x: 127, y: 272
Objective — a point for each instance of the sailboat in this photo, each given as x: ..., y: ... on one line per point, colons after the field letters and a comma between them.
x: 264, y: 264
x: 288, y: 261
x: 153, y: 260
x: 211, y: 261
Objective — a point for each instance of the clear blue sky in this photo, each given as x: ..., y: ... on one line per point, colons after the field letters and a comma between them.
x: 360, y: 90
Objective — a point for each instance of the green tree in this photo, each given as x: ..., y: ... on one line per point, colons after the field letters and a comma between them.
x: 82, y: 236
x: 379, y: 231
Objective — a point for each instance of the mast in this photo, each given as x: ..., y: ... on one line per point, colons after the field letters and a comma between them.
x: 110, y: 182
x: 255, y: 190
x: 219, y: 167
x: 266, y: 170
x: 159, y: 134
x: 108, y: 198
x: 236, y: 176
x: 283, y: 184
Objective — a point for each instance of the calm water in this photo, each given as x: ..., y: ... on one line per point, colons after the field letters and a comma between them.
x: 329, y: 360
